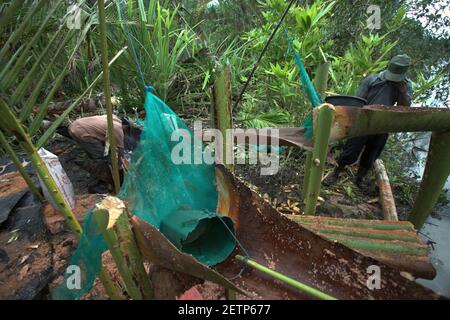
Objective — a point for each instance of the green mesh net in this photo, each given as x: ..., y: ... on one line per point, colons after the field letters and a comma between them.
x: 179, y: 199
x: 311, y: 93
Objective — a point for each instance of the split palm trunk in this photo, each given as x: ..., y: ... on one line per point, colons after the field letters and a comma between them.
x: 221, y: 111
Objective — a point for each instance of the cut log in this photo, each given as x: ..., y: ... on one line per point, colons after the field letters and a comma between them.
x: 386, y: 197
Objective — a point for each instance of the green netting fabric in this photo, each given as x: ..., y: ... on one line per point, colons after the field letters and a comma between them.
x: 179, y: 199
x: 307, y: 85
x: 85, y: 263
x: 310, y: 92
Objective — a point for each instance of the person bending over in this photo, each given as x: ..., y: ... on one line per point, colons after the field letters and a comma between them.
x: 388, y: 88
x: 91, y: 134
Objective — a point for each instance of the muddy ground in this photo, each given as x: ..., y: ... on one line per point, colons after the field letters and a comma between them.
x: 343, y: 200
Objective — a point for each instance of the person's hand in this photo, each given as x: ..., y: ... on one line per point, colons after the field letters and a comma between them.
x: 401, y: 86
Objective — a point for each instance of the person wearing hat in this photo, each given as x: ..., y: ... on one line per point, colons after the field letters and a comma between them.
x: 389, y: 87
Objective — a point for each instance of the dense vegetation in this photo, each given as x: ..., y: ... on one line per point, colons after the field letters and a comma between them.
x: 181, y: 44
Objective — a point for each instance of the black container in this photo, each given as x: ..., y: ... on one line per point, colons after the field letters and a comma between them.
x: 347, y: 101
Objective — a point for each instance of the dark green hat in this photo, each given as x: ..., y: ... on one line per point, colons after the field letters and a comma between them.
x: 398, y: 66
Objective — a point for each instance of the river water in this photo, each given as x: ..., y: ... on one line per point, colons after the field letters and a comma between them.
x: 436, y: 229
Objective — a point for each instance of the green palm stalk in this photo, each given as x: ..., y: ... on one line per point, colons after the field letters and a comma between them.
x: 281, y: 277
x: 436, y: 172
x: 323, y: 115
x: 107, y: 92
x: 112, y: 219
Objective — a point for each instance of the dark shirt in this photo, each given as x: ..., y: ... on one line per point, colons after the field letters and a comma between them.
x: 377, y: 90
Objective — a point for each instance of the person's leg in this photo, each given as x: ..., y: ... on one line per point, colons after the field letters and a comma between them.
x: 350, y: 154
x: 95, y: 150
x: 97, y: 165
x: 374, y: 147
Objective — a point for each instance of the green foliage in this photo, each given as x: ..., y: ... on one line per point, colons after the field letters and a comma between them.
x: 398, y: 158
x: 179, y: 45
x: 271, y: 118
x: 38, y: 59
x: 349, y: 192
x: 277, y: 83
x: 369, y: 55
x: 161, y: 47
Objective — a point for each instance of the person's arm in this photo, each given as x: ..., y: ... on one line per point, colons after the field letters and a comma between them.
x: 363, y: 89
x: 405, y: 93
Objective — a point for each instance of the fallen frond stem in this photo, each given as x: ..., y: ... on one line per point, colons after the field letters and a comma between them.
x: 281, y: 277
x: 386, y: 197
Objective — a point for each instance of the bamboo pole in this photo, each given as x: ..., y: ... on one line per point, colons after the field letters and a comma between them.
x: 321, y: 78
x: 15, y: 159
x: 322, y: 127
x: 222, y: 119
x: 107, y: 92
x: 112, y: 219
x: 320, y: 82
x: 437, y: 170
x: 386, y: 197
x: 10, y: 123
x: 278, y: 276
x: 221, y: 110
x: 308, y: 163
